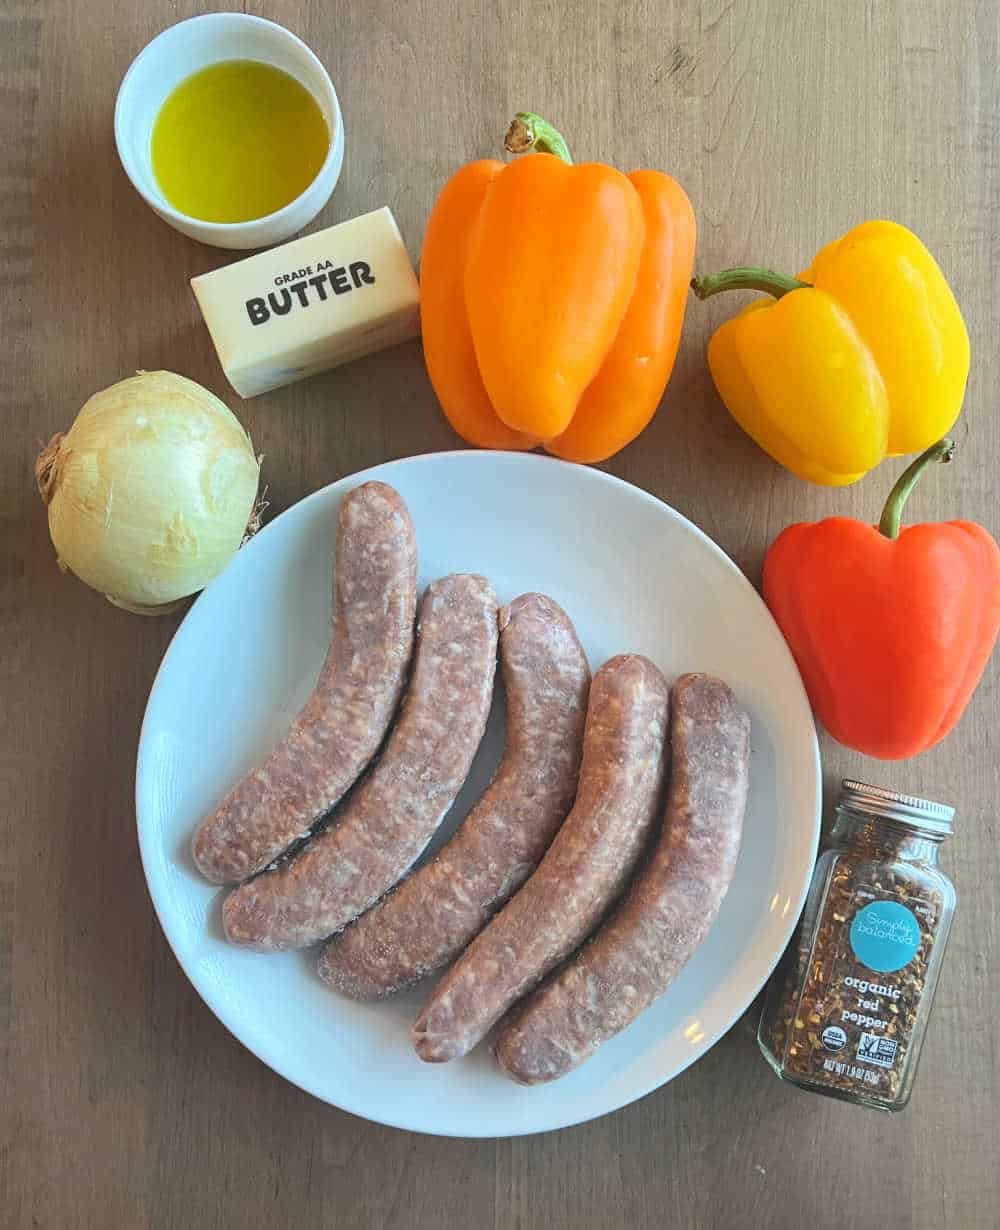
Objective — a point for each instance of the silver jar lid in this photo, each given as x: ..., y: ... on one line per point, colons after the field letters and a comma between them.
x: 907, y: 809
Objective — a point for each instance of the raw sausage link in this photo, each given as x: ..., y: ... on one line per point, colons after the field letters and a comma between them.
x: 584, y: 870
x: 431, y: 917
x: 635, y: 956
x: 346, y: 717
x: 393, y: 814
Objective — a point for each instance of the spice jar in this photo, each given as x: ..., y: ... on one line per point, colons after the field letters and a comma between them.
x: 847, y: 1008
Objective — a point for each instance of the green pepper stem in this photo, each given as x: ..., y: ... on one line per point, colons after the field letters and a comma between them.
x: 530, y: 132
x: 746, y: 277
x: 892, y: 514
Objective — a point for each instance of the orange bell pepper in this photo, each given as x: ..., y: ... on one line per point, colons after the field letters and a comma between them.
x: 552, y: 298
x: 891, y: 628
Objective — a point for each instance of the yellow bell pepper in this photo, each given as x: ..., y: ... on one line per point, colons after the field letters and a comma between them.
x: 864, y: 356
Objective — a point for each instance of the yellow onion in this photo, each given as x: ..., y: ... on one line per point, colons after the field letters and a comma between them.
x: 150, y: 492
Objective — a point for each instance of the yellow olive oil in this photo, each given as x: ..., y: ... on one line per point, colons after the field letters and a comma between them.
x: 237, y: 140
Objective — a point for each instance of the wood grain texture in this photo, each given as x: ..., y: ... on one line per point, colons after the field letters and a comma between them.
x: 127, y: 1104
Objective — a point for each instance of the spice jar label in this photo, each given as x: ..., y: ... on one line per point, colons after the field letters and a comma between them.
x: 870, y: 1000
x: 885, y: 936
x: 851, y: 1023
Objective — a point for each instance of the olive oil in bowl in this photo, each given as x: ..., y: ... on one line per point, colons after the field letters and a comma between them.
x: 236, y: 141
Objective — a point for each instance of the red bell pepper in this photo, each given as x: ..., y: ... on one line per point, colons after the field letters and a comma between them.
x: 891, y: 628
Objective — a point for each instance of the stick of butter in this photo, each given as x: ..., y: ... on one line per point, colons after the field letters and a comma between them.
x: 311, y: 304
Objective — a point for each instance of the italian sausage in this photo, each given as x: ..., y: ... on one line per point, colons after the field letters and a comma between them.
x: 583, y: 871
x: 392, y: 815
x: 639, y: 951
x: 427, y: 921
x: 345, y: 719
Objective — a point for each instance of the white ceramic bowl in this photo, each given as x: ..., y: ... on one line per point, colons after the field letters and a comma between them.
x: 184, y: 49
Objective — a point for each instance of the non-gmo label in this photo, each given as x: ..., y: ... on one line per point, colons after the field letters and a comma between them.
x: 885, y: 936
x: 877, y: 1050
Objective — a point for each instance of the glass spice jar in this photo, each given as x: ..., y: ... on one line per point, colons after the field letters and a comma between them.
x: 847, y: 1008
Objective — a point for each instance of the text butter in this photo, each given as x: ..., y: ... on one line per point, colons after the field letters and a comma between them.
x: 311, y: 304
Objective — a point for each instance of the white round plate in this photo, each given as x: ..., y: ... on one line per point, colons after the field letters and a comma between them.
x: 634, y: 576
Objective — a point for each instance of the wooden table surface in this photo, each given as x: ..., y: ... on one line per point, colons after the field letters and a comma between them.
x: 126, y: 1102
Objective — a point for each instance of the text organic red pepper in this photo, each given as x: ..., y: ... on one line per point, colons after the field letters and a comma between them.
x: 891, y: 628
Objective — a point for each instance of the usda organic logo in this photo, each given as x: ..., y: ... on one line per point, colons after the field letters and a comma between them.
x: 885, y: 936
